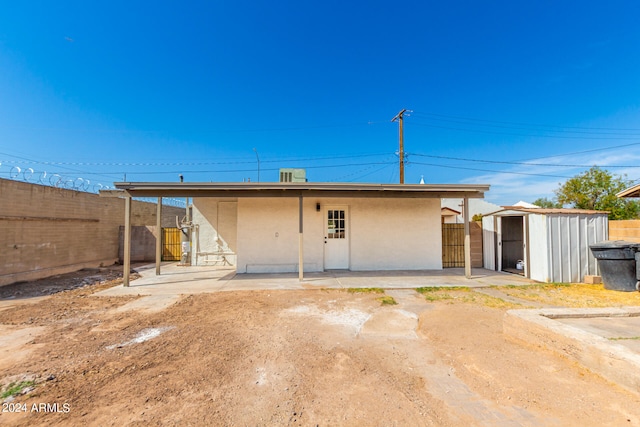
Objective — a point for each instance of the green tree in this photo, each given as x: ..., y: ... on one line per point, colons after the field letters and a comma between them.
x: 543, y: 202
x: 596, y: 189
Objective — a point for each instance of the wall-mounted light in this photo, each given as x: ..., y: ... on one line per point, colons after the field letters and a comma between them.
x: 317, y: 207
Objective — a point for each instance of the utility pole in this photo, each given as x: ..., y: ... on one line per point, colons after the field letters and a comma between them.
x: 400, y: 119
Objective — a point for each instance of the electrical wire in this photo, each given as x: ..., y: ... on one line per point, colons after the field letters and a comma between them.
x: 525, y: 134
x: 491, y: 171
x: 225, y: 162
x: 583, y: 152
x: 201, y: 131
x: 343, y: 177
x: 524, y: 124
x: 235, y: 170
x: 524, y: 163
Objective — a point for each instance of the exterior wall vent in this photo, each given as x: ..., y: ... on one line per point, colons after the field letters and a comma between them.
x: 293, y: 175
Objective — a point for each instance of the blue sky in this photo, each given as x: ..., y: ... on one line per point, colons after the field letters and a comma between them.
x: 519, y: 95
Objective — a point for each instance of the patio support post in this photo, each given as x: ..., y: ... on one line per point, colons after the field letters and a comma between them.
x: 300, y: 242
x: 127, y: 241
x: 467, y: 239
x: 158, y: 235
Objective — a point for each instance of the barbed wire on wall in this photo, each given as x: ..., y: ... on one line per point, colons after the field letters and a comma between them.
x: 30, y: 175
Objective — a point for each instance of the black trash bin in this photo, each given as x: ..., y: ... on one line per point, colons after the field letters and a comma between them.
x: 617, y: 263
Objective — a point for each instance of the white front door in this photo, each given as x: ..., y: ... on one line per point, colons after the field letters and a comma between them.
x: 336, y: 238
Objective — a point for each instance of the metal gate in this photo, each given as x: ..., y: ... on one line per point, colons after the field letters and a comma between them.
x: 171, y: 244
x: 452, y: 245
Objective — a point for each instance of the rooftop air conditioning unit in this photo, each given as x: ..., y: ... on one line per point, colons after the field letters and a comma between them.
x: 293, y: 175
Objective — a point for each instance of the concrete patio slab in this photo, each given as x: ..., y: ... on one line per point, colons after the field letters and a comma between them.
x: 176, y: 279
x: 603, y: 340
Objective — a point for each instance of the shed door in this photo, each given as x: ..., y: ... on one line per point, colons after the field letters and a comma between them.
x: 512, y: 235
x: 336, y: 238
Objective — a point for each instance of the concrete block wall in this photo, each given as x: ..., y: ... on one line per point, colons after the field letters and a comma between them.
x: 628, y: 230
x: 143, y: 243
x: 46, y: 231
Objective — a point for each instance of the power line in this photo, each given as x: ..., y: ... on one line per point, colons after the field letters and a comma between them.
x: 608, y: 133
x: 103, y: 174
x: 491, y: 171
x: 351, y: 175
x: 208, y: 131
x: 524, y: 163
x: 525, y: 134
x: 583, y: 152
x: 177, y: 171
x: 524, y: 124
x: 224, y: 162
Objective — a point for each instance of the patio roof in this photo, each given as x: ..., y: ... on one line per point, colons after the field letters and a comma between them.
x: 630, y: 192
x: 298, y: 189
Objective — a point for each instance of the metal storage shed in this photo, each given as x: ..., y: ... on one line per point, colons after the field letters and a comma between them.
x: 552, y: 243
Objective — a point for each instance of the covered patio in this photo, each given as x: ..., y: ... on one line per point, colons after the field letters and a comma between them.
x: 299, y: 191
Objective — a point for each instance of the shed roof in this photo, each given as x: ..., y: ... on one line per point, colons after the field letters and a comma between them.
x: 295, y: 189
x: 544, y: 211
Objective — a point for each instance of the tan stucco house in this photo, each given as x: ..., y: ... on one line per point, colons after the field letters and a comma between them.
x: 311, y: 227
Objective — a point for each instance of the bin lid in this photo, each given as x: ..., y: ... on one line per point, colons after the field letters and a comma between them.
x: 615, y: 244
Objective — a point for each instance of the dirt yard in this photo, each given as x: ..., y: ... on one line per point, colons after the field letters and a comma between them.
x: 313, y: 357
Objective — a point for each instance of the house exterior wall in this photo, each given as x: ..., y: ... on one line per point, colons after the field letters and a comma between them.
x: 215, y: 234
x: 268, y: 237
x: 451, y: 219
x: 383, y: 234
x: 401, y: 234
x: 47, y: 230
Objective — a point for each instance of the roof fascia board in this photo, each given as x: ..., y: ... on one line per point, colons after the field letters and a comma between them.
x: 298, y: 193
x: 158, y: 189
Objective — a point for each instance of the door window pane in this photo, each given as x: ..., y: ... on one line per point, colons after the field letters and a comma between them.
x: 335, y: 224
